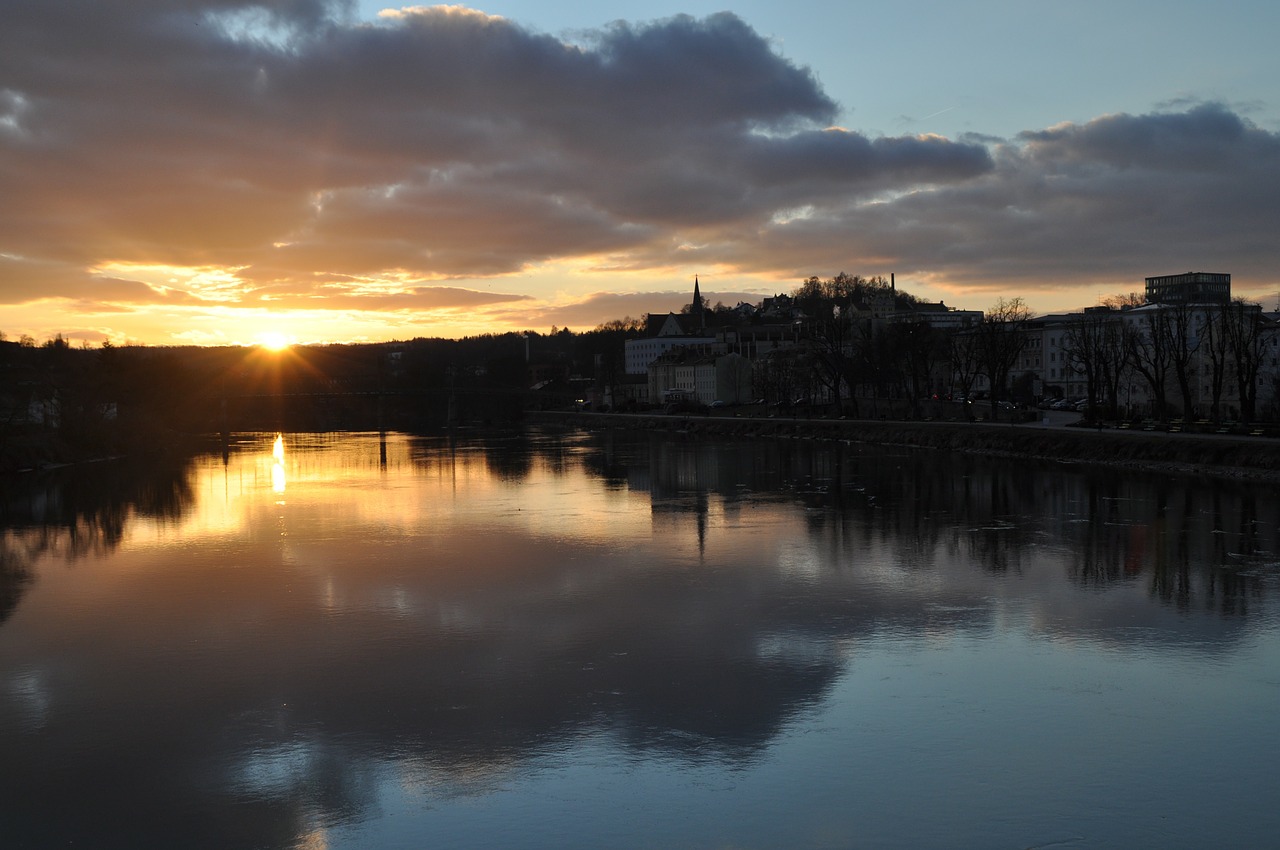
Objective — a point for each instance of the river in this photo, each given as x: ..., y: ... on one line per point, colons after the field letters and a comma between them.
x: 600, y: 640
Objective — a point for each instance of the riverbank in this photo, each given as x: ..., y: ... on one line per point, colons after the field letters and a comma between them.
x: 1256, y: 458
x: 35, y: 450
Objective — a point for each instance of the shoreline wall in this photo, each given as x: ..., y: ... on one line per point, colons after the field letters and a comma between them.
x: 1224, y: 456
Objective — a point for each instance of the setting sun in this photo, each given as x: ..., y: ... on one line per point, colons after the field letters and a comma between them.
x: 273, y: 340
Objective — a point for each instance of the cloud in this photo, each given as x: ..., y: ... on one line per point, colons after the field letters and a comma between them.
x: 1206, y: 137
x: 1106, y: 202
x: 338, y: 297
x: 298, y: 147
x: 440, y: 142
x: 23, y: 280
x: 599, y: 307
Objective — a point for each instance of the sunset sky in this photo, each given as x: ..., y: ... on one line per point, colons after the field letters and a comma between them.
x: 217, y: 171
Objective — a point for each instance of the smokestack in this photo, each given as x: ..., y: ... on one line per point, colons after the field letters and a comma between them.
x: 892, y: 284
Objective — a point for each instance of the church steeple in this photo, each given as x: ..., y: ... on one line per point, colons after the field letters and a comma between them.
x: 696, y: 309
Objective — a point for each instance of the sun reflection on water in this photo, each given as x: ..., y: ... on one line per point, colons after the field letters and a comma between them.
x: 277, y: 467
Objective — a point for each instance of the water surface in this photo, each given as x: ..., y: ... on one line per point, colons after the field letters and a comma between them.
x: 599, y: 640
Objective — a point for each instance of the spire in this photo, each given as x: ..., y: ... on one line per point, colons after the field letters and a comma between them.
x: 697, y: 305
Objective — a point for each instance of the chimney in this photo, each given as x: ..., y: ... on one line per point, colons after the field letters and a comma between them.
x: 892, y: 284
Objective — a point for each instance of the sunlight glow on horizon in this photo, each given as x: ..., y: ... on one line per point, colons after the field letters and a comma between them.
x: 210, y: 306
x: 274, y: 341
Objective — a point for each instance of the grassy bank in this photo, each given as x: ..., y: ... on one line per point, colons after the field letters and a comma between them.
x: 1237, y: 457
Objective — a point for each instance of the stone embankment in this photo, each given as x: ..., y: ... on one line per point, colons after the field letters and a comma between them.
x: 1201, y: 454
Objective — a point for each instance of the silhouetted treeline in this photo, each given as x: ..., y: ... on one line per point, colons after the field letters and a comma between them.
x: 61, y: 402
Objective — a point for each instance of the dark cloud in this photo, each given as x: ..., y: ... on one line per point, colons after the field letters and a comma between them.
x: 302, y: 147
x: 442, y: 142
x: 840, y: 158
x: 1205, y: 138
x: 1103, y: 203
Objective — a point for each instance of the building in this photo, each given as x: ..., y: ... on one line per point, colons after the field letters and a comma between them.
x: 1189, y: 288
x: 939, y: 315
x: 641, y: 353
x: 668, y: 333
x: 686, y: 375
x: 1048, y: 354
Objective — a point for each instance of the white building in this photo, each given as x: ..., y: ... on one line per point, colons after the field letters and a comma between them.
x: 702, y: 378
x: 640, y: 353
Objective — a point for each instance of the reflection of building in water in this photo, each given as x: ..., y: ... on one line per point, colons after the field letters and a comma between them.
x: 1184, y: 542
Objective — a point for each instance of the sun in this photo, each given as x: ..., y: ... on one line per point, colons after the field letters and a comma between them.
x: 273, y: 341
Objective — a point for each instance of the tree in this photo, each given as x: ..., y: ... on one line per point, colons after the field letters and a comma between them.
x: 921, y: 347
x: 1081, y: 349
x: 1094, y: 346
x: 1146, y: 342
x: 1183, y: 343
x: 1245, y: 329
x: 1217, y: 344
x: 602, y: 352
x: 966, y: 363
x: 1123, y: 301
x: 829, y: 340
x: 875, y: 365
x: 1000, y: 340
x: 846, y: 350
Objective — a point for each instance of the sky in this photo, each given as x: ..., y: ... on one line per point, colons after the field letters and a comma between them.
x: 215, y: 172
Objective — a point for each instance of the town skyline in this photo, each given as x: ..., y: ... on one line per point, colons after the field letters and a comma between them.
x: 217, y: 172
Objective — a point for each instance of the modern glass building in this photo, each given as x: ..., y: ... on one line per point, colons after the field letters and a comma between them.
x: 1189, y: 288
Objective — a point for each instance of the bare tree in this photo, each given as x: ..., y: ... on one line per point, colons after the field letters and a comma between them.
x: 1147, y: 344
x: 1123, y: 301
x: 830, y: 342
x: 1216, y: 342
x: 920, y: 347
x: 1094, y: 346
x: 1001, y: 338
x: 965, y: 361
x: 1245, y: 329
x: 1183, y: 342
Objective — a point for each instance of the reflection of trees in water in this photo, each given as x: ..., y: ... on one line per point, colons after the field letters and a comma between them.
x: 78, y: 512
x: 1198, y: 542
x: 15, y: 575
x: 508, y: 455
x: 511, y: 457
x: 857, y: 495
